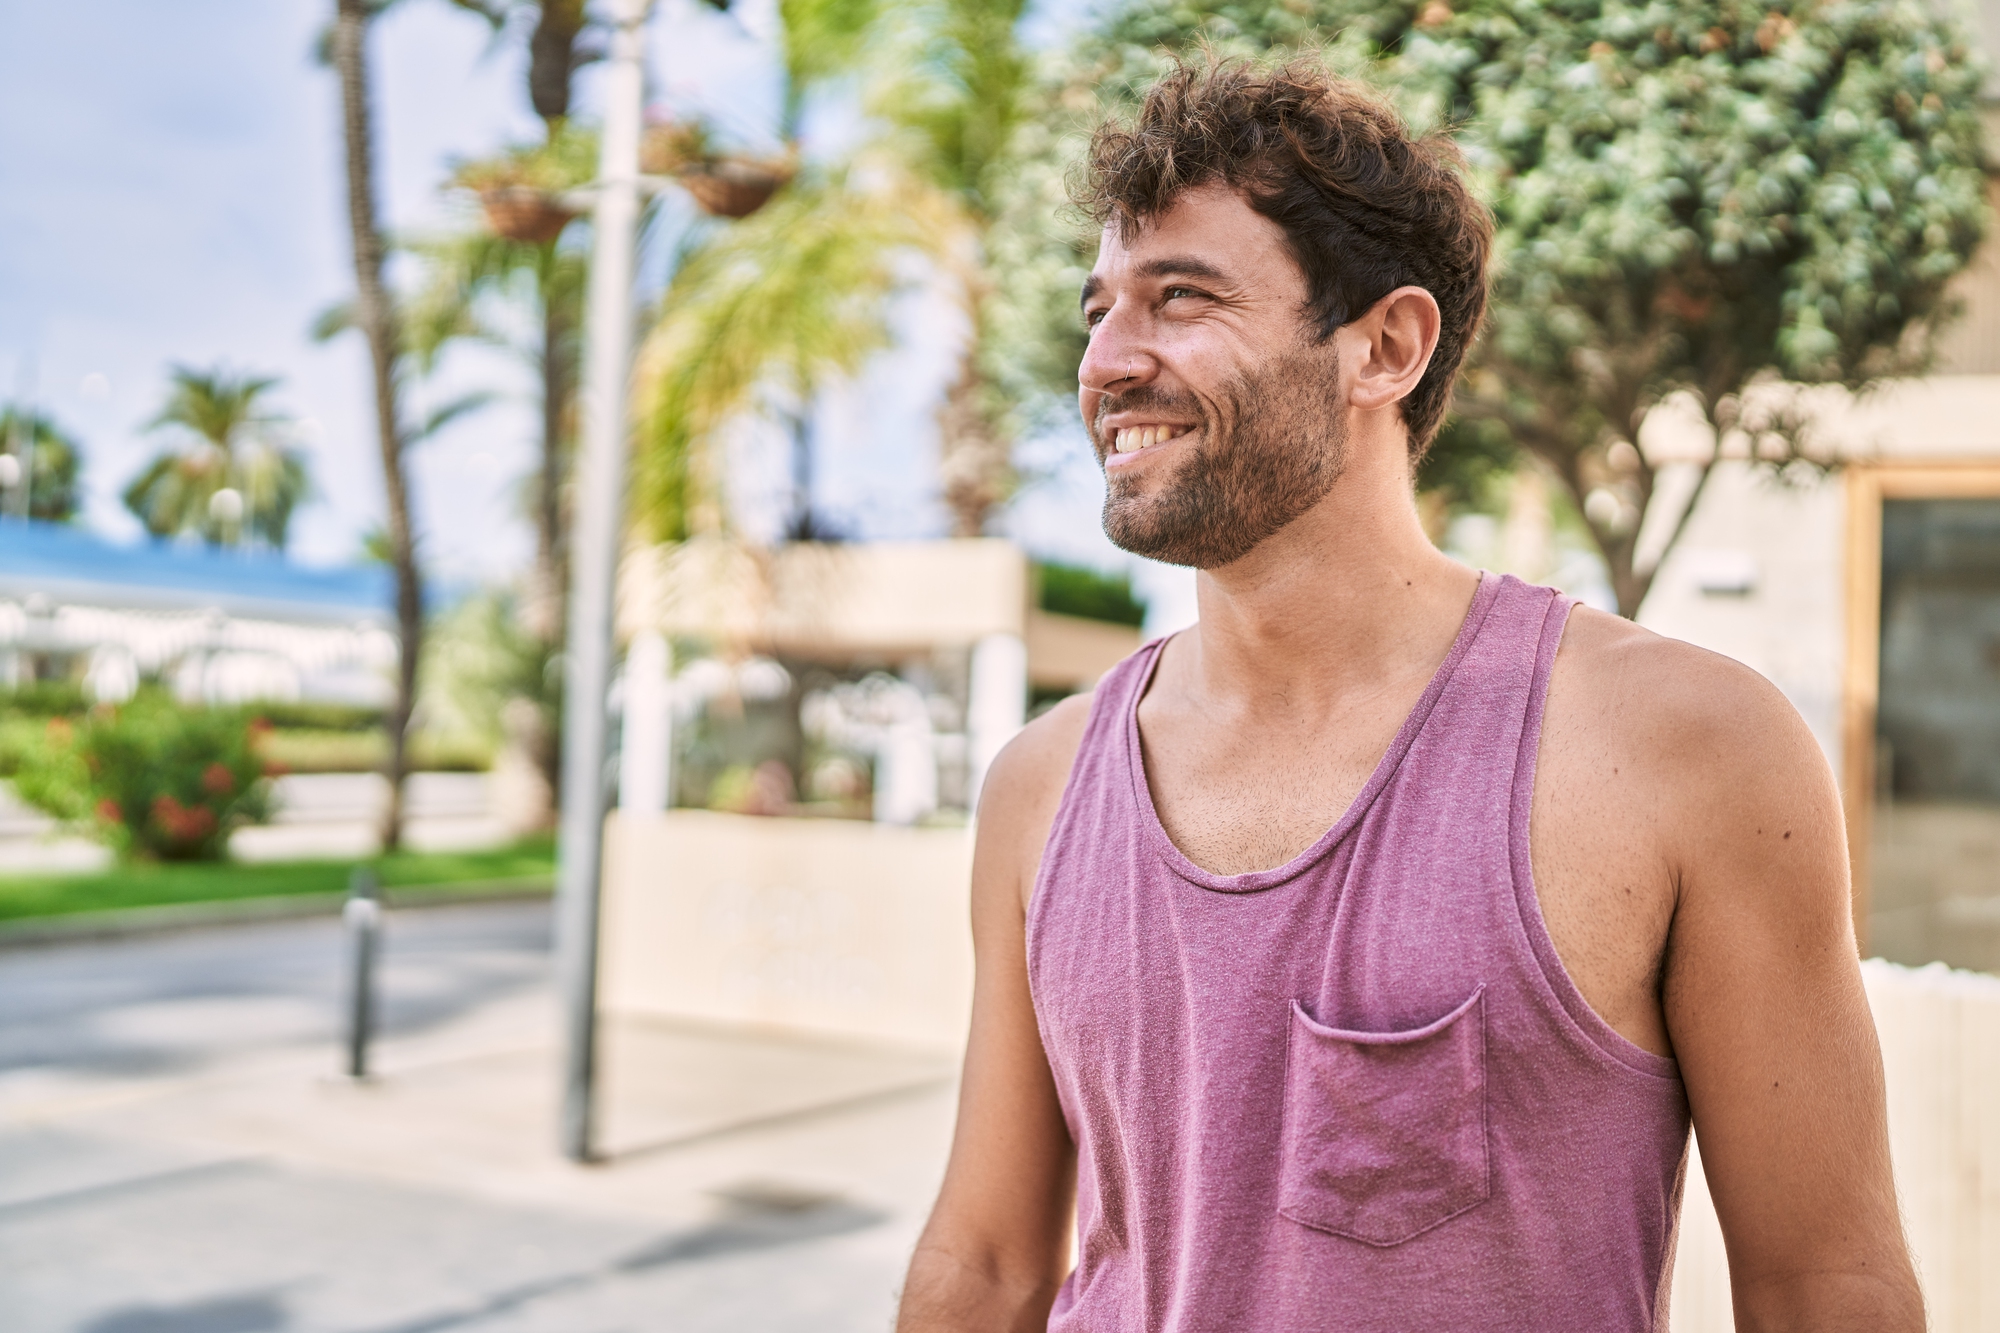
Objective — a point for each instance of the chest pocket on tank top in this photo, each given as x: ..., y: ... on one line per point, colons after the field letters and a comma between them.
x: 1384, y: 1132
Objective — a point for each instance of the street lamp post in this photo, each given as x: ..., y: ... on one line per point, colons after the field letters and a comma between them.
x: 597, y: 531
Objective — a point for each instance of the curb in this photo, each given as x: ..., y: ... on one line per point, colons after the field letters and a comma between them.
x: 120, y: 923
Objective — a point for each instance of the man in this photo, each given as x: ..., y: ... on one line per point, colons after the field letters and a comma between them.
x: 1355, y: 959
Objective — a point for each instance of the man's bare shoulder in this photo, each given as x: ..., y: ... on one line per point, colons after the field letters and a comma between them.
x: 1649, y: 735
x: 1031, y: 769
x: 1670, y: 702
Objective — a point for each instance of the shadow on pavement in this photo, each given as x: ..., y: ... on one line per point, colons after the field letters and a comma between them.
x: 869, y: 1097
x: 759, y: 1218
x: 252, y: 1312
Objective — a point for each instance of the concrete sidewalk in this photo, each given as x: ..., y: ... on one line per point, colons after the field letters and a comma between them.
x: 177, y: 1155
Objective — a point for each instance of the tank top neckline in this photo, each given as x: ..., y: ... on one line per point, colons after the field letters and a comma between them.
x: 1252, y: 881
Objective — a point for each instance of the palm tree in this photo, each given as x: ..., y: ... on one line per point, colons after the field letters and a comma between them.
x: 781, y: 303
x: 464, y: 272
x: 471, y: 280
x: 468, y: 274
x: 559, y: 44
x: 229, y: 478
x: 53, y: 460
x: 376, y: 317
x: 797, y: 295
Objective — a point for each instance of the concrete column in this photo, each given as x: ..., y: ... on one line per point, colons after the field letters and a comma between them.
x: 645, y: 760
x: 906, y: 786
x: 998, y: 703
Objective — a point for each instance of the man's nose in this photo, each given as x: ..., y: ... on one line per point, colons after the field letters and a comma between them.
x: 1116, y: 358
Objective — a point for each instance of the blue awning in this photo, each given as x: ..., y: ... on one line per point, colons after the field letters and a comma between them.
x: 70, y: 566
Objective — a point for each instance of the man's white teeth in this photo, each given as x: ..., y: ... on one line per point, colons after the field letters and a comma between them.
x: 1134, y: 438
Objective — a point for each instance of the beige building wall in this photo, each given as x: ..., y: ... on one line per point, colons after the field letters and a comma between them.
x: 1758, y: 576
x: 830, y: 926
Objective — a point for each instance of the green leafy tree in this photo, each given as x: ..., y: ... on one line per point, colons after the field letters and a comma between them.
x: 798, y: 294
x: 1729, y: 197
x: 54, y: 464
x: 229, y: 476
x: 1696, y: 203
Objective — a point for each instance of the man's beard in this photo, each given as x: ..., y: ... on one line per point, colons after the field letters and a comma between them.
x: 1270, y: 449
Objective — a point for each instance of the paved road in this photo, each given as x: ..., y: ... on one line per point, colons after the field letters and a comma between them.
x: 176, y: 1156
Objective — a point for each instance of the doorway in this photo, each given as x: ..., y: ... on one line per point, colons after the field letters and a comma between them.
x: 1924, y: 761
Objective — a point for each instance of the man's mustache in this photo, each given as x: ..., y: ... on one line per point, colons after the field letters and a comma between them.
x: 1142, y: 399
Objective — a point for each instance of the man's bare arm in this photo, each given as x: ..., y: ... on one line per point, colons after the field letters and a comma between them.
x: 997, y: 1244
x: 1765, y: 1007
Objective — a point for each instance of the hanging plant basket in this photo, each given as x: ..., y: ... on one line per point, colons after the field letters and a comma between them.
x: 734, y: 187
x: 668, y: 148
x: 525, y: 214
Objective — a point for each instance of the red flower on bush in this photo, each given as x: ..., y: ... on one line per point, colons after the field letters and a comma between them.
x: 183, y: 823
x: 217, y: 780
x: 108, y: 811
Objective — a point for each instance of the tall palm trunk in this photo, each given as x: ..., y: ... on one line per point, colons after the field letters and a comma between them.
x: 974, y: 454
x: 553, y: 59
x: 377, y: 321
x: 548, y: 602
x: 546, y: 618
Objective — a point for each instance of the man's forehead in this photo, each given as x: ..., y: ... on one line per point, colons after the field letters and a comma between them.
x: 1212, y: 225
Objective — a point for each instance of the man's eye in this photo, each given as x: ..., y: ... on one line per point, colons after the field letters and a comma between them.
x: 1173, y: 292
x: 1093, y: 317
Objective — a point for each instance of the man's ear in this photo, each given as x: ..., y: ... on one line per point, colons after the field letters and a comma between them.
x: 1390, y: 347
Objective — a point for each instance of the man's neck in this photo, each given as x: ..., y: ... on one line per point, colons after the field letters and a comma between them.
x: 1349, y: 597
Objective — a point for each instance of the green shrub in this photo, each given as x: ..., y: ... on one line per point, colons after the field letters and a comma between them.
x: 305, y: 715
x: 152, y: 778
x: 44, y: 698
x: 1072, y: 590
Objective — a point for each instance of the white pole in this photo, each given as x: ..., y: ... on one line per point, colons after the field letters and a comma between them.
x: 597, y: 531
x: 998, y: 704
x: 645, y: 755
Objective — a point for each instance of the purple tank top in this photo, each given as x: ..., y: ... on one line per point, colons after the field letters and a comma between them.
x: 1359, y: 1091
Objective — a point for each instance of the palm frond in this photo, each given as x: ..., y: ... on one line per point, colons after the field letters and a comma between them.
x: 332, y: 321
x: 467, y: 273
x: 214, y: 405
x: 952, y: 80
x: 444, y: 414
x: 789, y: 299
x: 228, y: 441
x: 822, y: 38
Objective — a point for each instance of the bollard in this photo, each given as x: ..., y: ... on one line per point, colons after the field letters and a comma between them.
x: 363, y: 915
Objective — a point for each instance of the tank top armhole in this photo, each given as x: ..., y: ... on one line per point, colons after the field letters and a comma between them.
x: 1561, y: 990
x: 1109, y: 701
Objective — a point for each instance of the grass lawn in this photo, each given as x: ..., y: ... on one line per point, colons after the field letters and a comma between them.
x: 154, y: 885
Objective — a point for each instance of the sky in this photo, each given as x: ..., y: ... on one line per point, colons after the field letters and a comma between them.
x: 171, y: 194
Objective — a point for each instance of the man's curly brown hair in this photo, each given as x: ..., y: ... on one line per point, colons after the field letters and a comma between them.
x: 1366, y: 207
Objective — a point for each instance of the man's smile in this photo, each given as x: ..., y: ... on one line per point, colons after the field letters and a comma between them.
x: 1128, y: 442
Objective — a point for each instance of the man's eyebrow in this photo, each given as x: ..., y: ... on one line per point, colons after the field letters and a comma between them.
x: 1182, y: 266
x: 1173, y: 266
